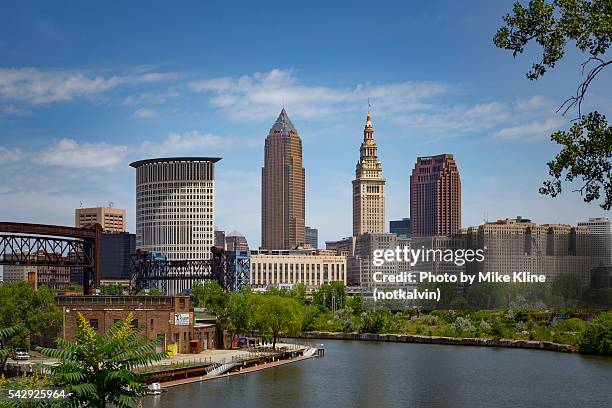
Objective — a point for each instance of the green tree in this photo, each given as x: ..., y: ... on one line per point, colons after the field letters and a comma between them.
x: 276, y: 314
x: 299, y: 292
x: 6, y: 335
x: 330, y: 295
x: 99, y: 369
x: 210, y: 295
x: 597, y: 338
x: 34, y: 311
x: 568, y: 287
x: 113, y: 289
x: 240, y: 305
x: 373, y: 321
x: 355, y: 302
x: 151, y: 292
x: 587, y: 147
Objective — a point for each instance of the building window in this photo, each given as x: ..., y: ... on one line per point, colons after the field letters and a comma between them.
x: 93, y: 323
x: 134, y: 324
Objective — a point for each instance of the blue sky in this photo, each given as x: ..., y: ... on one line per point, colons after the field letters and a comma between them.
x: 85, y: 88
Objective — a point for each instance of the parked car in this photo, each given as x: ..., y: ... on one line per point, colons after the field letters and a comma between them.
x: 21, y: 354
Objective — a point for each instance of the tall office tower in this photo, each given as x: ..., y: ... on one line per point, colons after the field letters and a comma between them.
x: 312, y: 237
x: 600, y: 231
x: 368, y: 187
x: 111, y: 219
x: 283, y: 189
x: 175, y: 209
x: 435, y: 196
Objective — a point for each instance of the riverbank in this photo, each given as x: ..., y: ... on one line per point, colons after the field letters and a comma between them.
x: 210, y: 367
x: 455, y: 341
x: 246, y: 370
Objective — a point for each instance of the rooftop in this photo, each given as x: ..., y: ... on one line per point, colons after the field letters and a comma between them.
x: 283, y: 123
x: 139, y: 163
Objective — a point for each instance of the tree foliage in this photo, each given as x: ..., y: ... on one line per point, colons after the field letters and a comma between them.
x: 585, y: 156
x: 33, y: 312
x: 111, y: 289
x: 330, y: 295
x: 210, y: 295
x: 98, y: 369
x: 6, y: 335
x: 597, y: 338
x: 586, y: 148
x: 274, y: 314
x: 568, y: 287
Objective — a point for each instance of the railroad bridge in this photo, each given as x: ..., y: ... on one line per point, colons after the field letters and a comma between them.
x: 25, y: 244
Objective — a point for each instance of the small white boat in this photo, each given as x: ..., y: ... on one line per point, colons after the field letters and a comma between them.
x: 155, y: 389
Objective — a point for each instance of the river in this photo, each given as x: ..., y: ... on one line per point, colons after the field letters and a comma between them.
x: 380, y: 374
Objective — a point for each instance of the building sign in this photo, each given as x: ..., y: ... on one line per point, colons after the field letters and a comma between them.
x: 181, y: 319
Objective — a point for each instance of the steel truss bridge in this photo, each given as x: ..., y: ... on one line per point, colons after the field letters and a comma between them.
x: 53, y: 245
x: 229, y: 271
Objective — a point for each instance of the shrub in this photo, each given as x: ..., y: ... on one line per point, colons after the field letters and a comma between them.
x: 484, y: 326
x: 597, y: 337
x: 571, y: 325
x: 430, y: 320
x: 463, y: 325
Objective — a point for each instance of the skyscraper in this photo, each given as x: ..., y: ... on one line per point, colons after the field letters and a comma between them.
x: 175, y: 208
x: 368, y: 187
x: 283, y: 187
x: 435, y: 196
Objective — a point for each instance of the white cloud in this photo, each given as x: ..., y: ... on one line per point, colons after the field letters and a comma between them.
x: 70, y: 153
x: 37, y: 86
x: 425, y: 106
x: 8, y: 155
x: 150, y: 97
x: 13, y: 110
x: 535, y: 130
x: 254, y: 96
x: 145, y: 113
x: 187, y: 142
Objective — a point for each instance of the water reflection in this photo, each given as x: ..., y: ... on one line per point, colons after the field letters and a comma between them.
x: 379, y: 374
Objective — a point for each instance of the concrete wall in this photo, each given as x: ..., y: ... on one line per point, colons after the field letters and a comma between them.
x: 410, y: 338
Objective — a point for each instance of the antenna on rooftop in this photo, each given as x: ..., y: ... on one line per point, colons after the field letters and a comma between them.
x: 111, y: 204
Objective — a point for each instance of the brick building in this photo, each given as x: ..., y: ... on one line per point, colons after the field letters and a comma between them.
x: 435, y: 196
x: 170, y: 317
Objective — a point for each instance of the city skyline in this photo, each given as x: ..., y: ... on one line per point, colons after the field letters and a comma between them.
x: 80, y: 118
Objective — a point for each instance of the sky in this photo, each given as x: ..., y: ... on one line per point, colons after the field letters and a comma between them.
x: 88, y: 87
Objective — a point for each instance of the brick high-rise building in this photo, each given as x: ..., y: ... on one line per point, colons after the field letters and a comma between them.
x: 435, y: 196
x: 368, y: 187
x: 283, y: 187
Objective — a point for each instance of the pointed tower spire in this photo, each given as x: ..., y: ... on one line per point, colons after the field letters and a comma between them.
x: 368, y: 130
x: 283, y: 123
x: 368, y: 186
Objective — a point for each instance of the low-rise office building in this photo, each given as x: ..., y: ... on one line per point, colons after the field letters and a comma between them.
x: 282, y: 268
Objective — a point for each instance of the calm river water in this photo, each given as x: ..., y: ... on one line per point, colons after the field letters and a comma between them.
x: 381, y: 374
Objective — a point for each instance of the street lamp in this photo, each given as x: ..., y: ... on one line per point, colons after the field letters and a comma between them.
x: 64, y: 321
